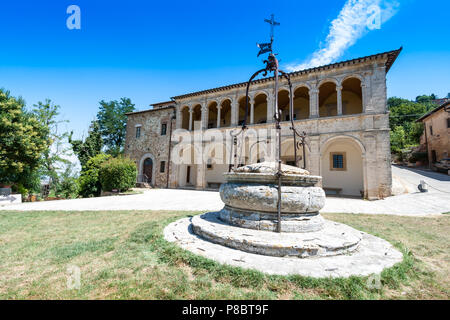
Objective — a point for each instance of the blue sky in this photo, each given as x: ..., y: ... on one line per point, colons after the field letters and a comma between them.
x: 150, y: 51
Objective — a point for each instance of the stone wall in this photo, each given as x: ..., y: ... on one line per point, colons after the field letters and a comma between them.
x: 439, y: 141
x: 150, y: 144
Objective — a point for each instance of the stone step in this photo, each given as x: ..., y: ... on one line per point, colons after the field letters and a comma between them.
x: 334, y: 238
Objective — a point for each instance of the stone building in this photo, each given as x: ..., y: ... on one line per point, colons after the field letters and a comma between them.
x: 341, y: 107
x: 436, y: 133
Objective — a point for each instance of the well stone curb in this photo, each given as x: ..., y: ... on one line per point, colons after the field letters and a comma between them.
x: 372, y: 256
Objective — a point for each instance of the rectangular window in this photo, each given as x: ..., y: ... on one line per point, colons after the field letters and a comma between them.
x: 431, y: 130
x: 138, y: 132
x: 163, y: 129
x: 448, y: 122
x: 338, y: 161
x: 162, y: 169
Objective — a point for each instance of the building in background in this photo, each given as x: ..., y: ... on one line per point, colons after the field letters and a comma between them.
x: 436, y: 133
x: 342, y: 107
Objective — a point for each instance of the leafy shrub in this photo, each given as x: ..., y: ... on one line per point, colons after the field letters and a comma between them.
x: 19, y: 188
x: 118, y: 173
x: 89, y: 180
x: 68, y: 188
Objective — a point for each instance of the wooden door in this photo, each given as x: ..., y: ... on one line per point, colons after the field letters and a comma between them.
x: 148, y: 169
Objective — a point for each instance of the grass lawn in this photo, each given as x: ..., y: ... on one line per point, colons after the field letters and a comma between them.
x: 122, y: 255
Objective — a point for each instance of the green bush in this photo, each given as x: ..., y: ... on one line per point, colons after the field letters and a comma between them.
x: 19, y: 188
x: 118, y: 173
x: 68, y: 188
x: 89, y: 181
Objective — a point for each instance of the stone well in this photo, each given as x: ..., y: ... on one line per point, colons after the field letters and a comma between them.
x: 243, y: 232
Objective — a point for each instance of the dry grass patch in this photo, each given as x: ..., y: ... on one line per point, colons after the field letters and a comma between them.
x: 122, y: 255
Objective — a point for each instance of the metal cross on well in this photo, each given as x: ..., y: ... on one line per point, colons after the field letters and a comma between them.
x: 273, y: 24
x: 267, y: 47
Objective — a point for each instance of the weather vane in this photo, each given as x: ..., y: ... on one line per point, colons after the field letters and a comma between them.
x: 267, y: 47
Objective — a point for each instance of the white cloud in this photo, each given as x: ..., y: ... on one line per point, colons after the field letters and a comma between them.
x: 354, y: 21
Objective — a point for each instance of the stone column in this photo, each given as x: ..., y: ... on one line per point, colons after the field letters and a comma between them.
x: 363, y: 98
x: 314, y: 157
x: 219, y: 108
x: 252, y: 110
x: 205, y: 117
x: 191, y: 111
x: 370, y: 167
x: 178, y: 120
x: 234, y: 113
x: 339, y: 100
x: 270, y: 111
x: 314, y: 103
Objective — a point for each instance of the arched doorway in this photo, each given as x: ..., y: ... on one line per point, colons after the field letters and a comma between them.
x: 147, y: 170
x: 342, y: 166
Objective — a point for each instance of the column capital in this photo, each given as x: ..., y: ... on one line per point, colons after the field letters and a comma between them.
x: 338, y: 88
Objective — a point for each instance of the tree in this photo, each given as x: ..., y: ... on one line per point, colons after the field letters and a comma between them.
x: 68, y: 183
x: 90, y: 185
x: 53, y: 161
x: 404, y: 113
x: 23, y: 139
x: 90, y: 147
x: 112, y: 120
x: 398, y: 139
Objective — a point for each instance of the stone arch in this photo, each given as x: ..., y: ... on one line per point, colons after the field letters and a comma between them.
x: 196, y: 116
x: 300, y: 85
x: 353, y: 75
x: 328, y: 98
x: 284, y: 103
x: 184, y: 112
x: 301, y: 102
x: 287, y: 152
x: 225, y: 112
x: 260, y: 107
x: 325, y: 80
x: 212, y: 114
x: 141, y: 168
x: 258, y: 92
x: 352, y: 96
x: 342, y: 165
x: 241, y: 110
